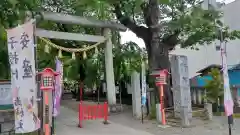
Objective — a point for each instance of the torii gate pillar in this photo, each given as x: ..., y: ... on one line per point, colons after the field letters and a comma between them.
x: 111, y: 92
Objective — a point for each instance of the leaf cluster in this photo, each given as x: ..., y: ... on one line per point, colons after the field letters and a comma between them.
x: 214, y: 87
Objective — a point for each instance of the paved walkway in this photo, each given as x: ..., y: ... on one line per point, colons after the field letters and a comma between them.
x: 125, y: 124
x: 66, y: 124
x: 218, y: 126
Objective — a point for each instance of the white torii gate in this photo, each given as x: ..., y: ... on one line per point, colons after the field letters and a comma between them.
x: 107, y: 25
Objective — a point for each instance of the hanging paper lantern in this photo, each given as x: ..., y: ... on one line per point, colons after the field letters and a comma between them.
x: 60, y: 53
x: 73, y: 56
x: 46, y: 48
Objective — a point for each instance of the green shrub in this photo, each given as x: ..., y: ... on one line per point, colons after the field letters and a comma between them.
x: 214, y: 88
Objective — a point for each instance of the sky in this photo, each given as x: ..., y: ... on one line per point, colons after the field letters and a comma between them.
x: 130, y: 36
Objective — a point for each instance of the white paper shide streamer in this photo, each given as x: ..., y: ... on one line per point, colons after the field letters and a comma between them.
x: 228, y: 101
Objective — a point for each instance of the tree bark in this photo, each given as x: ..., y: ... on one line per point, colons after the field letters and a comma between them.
x: 158, y: 58
x: 157, y: 48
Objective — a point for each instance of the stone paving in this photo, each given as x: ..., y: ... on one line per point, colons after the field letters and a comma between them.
x: 124, y: 124
x: 66, y: 124
x: 217, y: 127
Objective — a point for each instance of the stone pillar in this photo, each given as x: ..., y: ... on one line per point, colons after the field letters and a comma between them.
x: 184, y: 115
x: 181, y: 89
x: 111, y: 92
x: 158, y: 113
x: 208, y: 111
x: 151, y: 99
x: 136, y: 94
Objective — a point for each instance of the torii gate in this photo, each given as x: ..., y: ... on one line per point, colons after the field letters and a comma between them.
x: 107, y: 25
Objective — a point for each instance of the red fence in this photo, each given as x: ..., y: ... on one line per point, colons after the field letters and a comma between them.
x: 93, y: 112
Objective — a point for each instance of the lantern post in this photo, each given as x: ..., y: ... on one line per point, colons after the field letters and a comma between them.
x: 47, y: 85
x: 160, y: 81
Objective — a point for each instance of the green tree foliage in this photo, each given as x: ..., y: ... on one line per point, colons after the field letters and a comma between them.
x: 12, y: 12
x: 126, y: 56
x: 163, y: 24
x: 214, y: 87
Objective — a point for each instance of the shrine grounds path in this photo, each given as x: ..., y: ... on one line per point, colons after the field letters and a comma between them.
x: 66, y: 124
x: 124, y: 124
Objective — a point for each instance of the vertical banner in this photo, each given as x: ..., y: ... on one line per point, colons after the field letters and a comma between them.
x: 23, y: 83
x: 144, y: 89
x: 58, y: 88
x: 228, y: 101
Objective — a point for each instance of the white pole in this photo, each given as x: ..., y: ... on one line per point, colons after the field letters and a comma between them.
x: 228, y: 102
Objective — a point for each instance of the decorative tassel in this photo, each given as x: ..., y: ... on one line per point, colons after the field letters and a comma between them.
x: 84, y: 55
x: 60, y: 53
x: 96, y: 50
x: 46, y: 49
x: 73, y: 56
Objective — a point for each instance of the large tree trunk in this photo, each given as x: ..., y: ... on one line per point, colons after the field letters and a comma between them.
x: 157, y: 48
x: 158, y: 58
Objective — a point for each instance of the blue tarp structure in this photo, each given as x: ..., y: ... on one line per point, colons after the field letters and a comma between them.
x: 233, y: 72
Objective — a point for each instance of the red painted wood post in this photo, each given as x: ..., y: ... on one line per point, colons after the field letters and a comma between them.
x: 80, y: 115
x: 95, y: 111
x: 162, y: 105
x: 99, y: 110
x: 92, y: 112
x: 105, y: 112
x: 89, y: 112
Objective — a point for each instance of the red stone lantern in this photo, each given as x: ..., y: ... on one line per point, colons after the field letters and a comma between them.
x: 161, y: 77
x: 47, y: 84
x: 47, y: 79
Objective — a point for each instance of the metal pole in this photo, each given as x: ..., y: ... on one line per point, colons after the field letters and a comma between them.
x: 98, y: 96
x: 81, y: 91
x: 53, y: 99
x: 230, y: 122
x: 120, y: 95
x: 143, y: 86
x: 141, y: 106
x: 223, y: 50
x: 52, y: 129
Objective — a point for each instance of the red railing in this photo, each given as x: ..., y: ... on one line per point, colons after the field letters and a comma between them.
x: 93, y: 112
